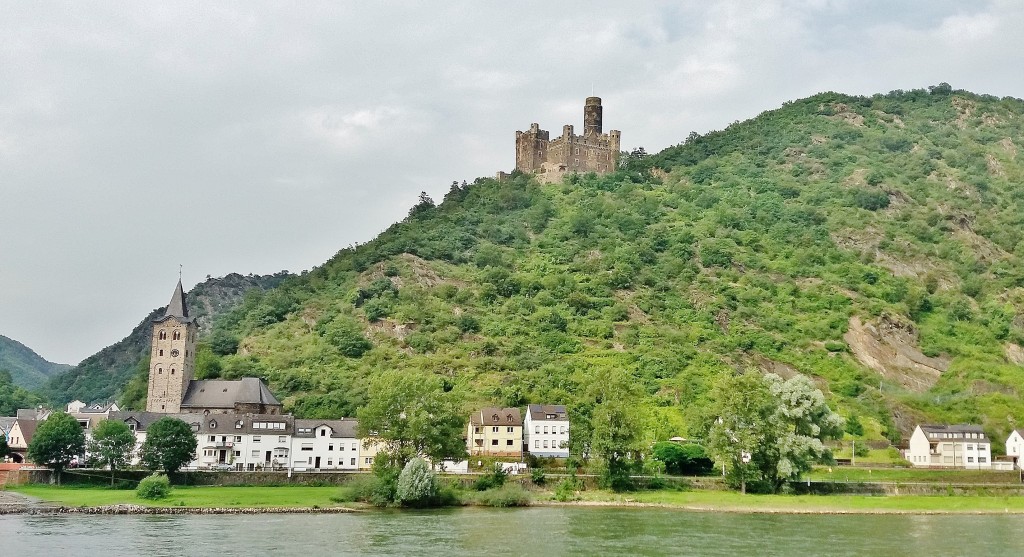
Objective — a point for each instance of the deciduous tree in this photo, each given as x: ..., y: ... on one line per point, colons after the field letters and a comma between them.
x: 57, y: 441
x: 112, y: 445
x: 170, y: 444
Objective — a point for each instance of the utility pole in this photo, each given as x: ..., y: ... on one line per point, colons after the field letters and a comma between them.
x: 853, y: 452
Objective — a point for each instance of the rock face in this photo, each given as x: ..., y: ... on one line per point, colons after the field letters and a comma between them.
x: 1015, y: 354
x: 889, y: 347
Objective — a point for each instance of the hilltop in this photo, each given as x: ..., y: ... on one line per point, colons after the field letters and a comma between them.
x: 874, y: 244
x: 28, y: 369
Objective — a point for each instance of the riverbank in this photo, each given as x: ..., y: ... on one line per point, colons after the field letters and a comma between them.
x: 298, y: 499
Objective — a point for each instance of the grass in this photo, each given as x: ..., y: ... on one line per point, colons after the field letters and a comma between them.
x: 729, y: 501
x: 720, y: 501
x: 855, y: 474
x: 187, y: 496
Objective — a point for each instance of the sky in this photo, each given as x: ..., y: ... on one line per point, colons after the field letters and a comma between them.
x: 255, y: 137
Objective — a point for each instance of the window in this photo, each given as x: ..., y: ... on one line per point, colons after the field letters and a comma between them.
x: 545, y: 429
x: 494, y: 442
x: 282, y: 439
x: 494, y: 429
x: 355, y: 446
x: 476, y: 430
x: 238, y: 453
x: 330, y: 462
x: 970, y: 459
x: 352, y: 462
x: 563, y: 430
x: 536, y: 429
x: 508, y: 418
x: 545, y: 444
x: 256, y: 438
x: 172, y: 371
x: 510, y: 429
x: 982, y: 459
x: 509, y: 442
x: 536, y: 443
x: 577, y: 150
x: 323, y: 432
x: 212, y: 438
x: 970, y: 447
x: 238, y: 439
x: 307, y: 447
x: 161, y: 353
x: 330, y: 447
x: 255, y: 453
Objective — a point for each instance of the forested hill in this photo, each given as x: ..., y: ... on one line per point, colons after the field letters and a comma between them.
x: 28, y: 369
x: 871, y: 243
x: 116, y: 369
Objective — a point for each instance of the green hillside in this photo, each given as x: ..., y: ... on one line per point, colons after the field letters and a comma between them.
x: 28, y: 369
x: 872, y: 243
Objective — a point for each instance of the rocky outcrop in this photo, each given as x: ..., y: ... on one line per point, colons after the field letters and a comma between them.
x: 889, y: 346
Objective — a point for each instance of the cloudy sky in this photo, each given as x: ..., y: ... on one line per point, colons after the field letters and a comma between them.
x: 255, y: 137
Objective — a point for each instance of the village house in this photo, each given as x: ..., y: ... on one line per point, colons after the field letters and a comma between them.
x: 495, y: 432
x: 19, y: 438
x: 1015, y: 446
x: 326, y: 445
x: 950, y: 446
x: 546, y: 430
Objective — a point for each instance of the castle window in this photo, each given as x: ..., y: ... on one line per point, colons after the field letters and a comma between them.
x: 177, y: 335
x: 172, y: 372
x: 576, y: 162
x: 159, y: 371
x: 577, y: 150
x: 163, y: 334
x: 161, y: 353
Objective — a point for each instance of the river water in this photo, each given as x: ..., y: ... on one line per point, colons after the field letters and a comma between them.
x: 534, y: 531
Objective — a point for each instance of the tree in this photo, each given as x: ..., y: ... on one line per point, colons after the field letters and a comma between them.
x: 57, y: 441
x: 417, y: 486
x: 689, y: 459
x: 112, y: 445
x: 412, y: 415
x: 170, y: 444
x: 767, y: 430
x: 5, y: 449
x: 616, y: 427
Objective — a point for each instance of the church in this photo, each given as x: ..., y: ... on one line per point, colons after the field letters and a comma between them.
x: 172, y: 389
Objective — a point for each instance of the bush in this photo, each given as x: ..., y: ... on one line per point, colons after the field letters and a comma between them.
x: 568, y: 490
x: 495, y: 478
x: 417, y: 486
x: 511, y: 495
x: 155, y: 486
x: 537, y: 476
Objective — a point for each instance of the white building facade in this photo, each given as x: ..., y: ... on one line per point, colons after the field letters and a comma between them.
x: 950, y: 446
x: 326, y: 445
x: 546, y: 430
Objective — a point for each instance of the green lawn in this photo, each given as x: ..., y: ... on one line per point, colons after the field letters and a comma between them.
x: 188, y: 496
x: 855, y: 474
x: 733, y: 501
x: 725, y: 501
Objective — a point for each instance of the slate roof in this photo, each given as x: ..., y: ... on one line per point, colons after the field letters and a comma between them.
x: 32, y: 413
x: 177, y: 309
x: 340, y: 429
x: 218, y: 393
x: 145, y: 419
x: 956, y: 431
x: 496, y: 416
x: 6, y: 424
x: 540, y: 412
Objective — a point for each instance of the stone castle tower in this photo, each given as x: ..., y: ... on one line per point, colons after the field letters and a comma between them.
x: 172, y: 358
x: 550, y: 159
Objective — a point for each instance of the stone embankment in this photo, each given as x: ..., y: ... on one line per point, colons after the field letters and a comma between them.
x: 32, y: 509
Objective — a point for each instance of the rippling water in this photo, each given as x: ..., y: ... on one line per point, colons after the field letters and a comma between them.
x: 534, y: 531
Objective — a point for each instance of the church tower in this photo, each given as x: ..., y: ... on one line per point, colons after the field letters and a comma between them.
x: 172, y: 358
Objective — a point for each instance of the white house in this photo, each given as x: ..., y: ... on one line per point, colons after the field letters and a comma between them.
x: 1015, y: 446
x: 325, y: 445
x: 546, y: 430
x: 950, y: 446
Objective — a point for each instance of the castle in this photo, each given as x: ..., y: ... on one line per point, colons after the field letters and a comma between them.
x: 550, y: 159
x: 173, y: 390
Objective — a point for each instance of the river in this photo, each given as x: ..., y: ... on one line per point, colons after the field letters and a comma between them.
x: 534, y: 531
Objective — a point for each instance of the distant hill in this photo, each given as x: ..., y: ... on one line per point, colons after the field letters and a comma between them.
x: 28, y: 369
x: 106, y: 373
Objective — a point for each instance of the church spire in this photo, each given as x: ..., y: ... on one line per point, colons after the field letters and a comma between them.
x: 177, y: 307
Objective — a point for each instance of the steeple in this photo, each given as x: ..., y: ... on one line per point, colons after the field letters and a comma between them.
x: 177, y: 307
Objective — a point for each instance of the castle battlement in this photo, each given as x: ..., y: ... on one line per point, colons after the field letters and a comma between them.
x: 550, y: 159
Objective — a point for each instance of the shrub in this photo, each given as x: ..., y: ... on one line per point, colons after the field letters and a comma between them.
x: 511, y: 495
x: 417, y: 486
x: 155, y: 486
x: 568, y: 490
x: 537, y: 476
x: 495, y: 478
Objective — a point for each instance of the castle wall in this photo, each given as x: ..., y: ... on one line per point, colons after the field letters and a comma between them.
x: 593, y: 151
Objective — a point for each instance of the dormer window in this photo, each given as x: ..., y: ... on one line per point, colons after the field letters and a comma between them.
x: 494, y: 417
x: 213, y: 424
x: 509, y: 418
